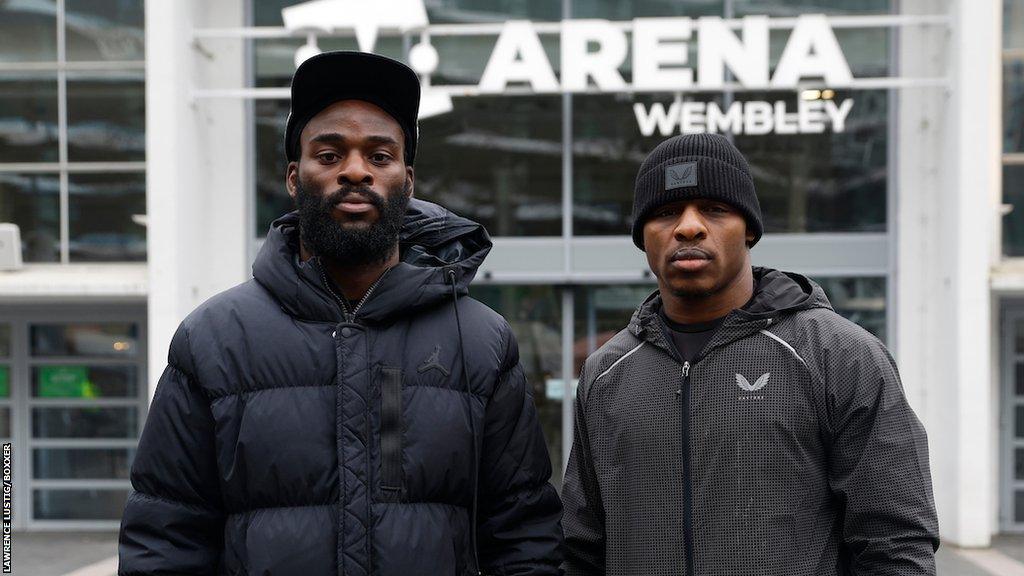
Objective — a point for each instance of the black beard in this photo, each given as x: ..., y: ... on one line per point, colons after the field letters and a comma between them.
x: 351, y: 246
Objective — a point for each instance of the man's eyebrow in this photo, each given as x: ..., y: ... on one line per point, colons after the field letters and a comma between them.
x: 334, y: 137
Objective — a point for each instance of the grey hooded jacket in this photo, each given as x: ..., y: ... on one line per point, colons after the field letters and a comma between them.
x: 786, y: 448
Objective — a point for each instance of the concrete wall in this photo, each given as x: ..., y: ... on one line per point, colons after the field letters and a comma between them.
x: 947, y: 221
x: 197, y: 196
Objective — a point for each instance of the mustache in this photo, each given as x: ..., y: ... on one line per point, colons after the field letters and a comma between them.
x: 364, y: 191
x: 690, y: 253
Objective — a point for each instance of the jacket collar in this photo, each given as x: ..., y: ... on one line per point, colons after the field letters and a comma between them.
x: 776, y: 295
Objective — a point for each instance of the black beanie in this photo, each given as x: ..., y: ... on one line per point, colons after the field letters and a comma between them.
x: 695, y: 166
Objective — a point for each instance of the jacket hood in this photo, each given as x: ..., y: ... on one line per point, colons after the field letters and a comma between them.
x: 432, y: 242
x: 776, y: 293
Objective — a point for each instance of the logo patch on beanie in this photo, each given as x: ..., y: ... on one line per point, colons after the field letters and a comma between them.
x: 681, y: 175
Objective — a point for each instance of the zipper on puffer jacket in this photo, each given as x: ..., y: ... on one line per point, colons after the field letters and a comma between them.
x: 349, y: 315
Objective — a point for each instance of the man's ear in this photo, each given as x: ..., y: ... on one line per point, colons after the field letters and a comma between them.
x: 411, y: 175
x: 291, y: 179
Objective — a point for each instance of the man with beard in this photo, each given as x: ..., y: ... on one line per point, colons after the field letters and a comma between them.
x: 349, y: 410
x: 739, y: 426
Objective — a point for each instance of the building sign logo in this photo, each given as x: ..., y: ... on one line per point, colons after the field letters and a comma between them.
x: 593, y: 54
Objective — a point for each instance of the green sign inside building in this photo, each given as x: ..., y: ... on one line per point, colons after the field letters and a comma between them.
x: 64, y: 382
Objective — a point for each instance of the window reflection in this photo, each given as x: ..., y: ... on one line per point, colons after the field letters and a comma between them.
x: 107, y: 422
x: 105, y: 29
x: 32, y: 201
x: 829, y: 182
x: 51, y: 504
x: 860, y: 300
x: 28, y: 117
x: 103, y: 217
x: 117, y: 340
x: 28, y: 31
x: 1013, y: 223
x: 107, y: 118
x: 535, y: 313
x: 497, y: 161
x: 78, y: 463
x: 798, y: 7
x: 1013, y: 106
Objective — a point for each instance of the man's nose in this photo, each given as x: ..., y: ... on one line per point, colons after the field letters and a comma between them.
x: 690, y: 226
x: 354, y: 170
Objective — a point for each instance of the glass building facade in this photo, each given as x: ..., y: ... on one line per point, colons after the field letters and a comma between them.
x: 552, y: 173
x: 502, y: 160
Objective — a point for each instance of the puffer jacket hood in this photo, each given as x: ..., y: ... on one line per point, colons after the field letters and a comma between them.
x: 432, y: 242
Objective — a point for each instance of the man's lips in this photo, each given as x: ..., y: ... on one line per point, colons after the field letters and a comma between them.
x: 690, y: 259
x: 354, y: 204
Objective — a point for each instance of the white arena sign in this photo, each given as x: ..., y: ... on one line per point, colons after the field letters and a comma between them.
x: 593, y: 53
x: 660, y: 55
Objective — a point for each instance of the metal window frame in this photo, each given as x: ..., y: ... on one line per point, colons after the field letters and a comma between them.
x: 20, y: 318
x: 1008, y: 485
x: 63, y: 167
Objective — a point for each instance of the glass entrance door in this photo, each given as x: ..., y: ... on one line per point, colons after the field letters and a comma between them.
x: 72, y: 402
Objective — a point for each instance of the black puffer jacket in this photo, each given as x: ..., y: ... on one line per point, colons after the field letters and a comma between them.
x: 285, y: 440
x: 786, y: 449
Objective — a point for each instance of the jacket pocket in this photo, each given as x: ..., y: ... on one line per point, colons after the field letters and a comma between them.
x: 391, y: 433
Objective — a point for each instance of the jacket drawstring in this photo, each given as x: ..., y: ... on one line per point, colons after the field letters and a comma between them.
x: 472, y: 421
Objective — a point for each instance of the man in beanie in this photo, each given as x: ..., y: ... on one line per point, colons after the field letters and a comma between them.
x: 349, y: 410
x: 739, y: 426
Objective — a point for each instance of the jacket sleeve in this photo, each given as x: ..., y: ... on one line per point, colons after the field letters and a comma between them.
x: 173, y: 520
x: 878, y: 468
x: 584, y: 513
x: 519, y: 528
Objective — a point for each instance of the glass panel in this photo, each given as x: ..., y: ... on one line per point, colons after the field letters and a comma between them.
x: 798, y: 7
x: 104, y: 29
x: 1018, y: 463
x: 601, y: 312
x: 1019, y: 376
x: 497, y: 161
x: 85, y: 381
x: 828, y: 182
x: 78, y: 504
x: 28, y: 117
x: 5, y: 421
x: 629, y: 9
x: 5, y: 340
x: 608, y: 149
x: 1013, y: 23
x: 5, y: 382
x: 535, y: 314
x: 272, y: 198
x: 90, y: 463
x: 32, y: 201
x: 1018, y: 505
x: 1013, y: 223
x: 28, y: 31
x: 860, y: 300
x: 1019, y: 329
x: 98, y: 422
x: 1013, y: 106
x: 110, y: 339
x: 103, y: 211
x: 1018, y: 421
x: 107, y: 118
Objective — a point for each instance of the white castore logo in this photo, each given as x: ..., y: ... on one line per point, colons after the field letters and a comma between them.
x: 761, y: 382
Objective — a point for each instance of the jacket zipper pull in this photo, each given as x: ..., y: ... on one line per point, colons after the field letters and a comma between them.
x: 686, y: 374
